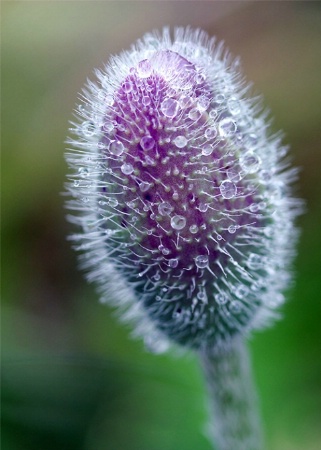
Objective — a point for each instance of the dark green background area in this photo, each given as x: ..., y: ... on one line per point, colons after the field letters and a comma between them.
x: 71, y: 376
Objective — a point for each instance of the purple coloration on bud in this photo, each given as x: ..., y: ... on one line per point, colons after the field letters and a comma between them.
x: 183, y: 194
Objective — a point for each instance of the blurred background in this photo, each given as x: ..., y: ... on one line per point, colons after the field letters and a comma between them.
x: 71, y: 376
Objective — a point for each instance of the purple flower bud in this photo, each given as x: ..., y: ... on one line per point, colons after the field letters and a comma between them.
x: 182, y: 193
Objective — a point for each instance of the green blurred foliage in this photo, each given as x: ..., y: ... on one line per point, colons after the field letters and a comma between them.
x: 71, y: 376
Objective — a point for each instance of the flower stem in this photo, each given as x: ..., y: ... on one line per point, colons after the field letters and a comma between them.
x: 232, y: 399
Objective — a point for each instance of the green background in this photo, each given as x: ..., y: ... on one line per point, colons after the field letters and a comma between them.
x: 71, y: 376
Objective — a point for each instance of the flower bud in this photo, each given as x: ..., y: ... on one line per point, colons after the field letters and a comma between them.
x: 182, y: 193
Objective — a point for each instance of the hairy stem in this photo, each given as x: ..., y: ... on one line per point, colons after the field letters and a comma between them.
x: 235, y: 422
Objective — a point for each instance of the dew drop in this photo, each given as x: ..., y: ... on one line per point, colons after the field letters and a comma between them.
x: 113, y: 202
x: 76, y: 183
x: 165, y: 209
x: 144, y: 69
x: 185, y: 101
x: 127, y: 168
x: 265, y: 176
x: 241, y: 291
x: 127, y: 87
x: 250, y: 162
x: 233, y: 175
x: 203, y: 207
x: 203, y: 103
x: 156, y: 277
x: 276, y: 301
x: 227, y: 127
x: 235, y: 307
x: 146, y: 100
x: 147, y: 143
x: 221, y: 298
x: 88, y: 129
x: 144, y: 186
x: 213, y: 113
x: 232, y: 229
x: 201, y: 261
x: 180, y: 141
x: 234, y: 106
x: 254, y: 207
x: 200, y: 78
x: 255, y: 261
x: 173, y: 263
x: 194, y: 114
x: 116, y: 148
x: 83, y: 172
x: 193, y: 229
x: 210, y: 133
x: 108, y: 126
x: 219, y: 98
x: 228, y: 189
x: 169, y: 107
x: 178, y: 222
x: 207, y: 150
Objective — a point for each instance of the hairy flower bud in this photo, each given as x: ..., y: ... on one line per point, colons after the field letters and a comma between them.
x: 182, y: 193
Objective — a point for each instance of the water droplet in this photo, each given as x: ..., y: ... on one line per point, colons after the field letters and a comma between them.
x: 76, y: 183
x: 201, y: 295
x: 255, y: 261
x: 203, y: 103
x: 233, y: 175
x: 156, y: 344
x: 276, y: 301
x: 127, y: 168
x: 200, y: 78
x: 180, y: 141
x: 207, y: 150
x: 194, y: 114
x: 241, y: 291
x: 108, y: 126
x: 144, y: 186
x: 178, y: 222
x: 169, y: 107
x: 146, y: 100
x: 156, y: 277
x: 250, y: 162
x: 144, y: 69
x: 227, y: 127
x: 228, y: 189
x: 113, y: 202
x: 210, y: 133
x: 173, y: 263
x: 265, y: 176
x: 221, y: 298
x: 219, y: 98
x: 116, y: 148
x: 127, y: 86
x: 203, y: 207
x: 83, y: 172
x: 88, y: 129
x: 201, y: 261
x: 254, y: 207
x: 165, y: 209
x: 147, y: 143
x: 232, y: 229
x: 234, y: 106
x: 193, y: 229
x: 185, y: 101
x: 213, y: 113
x: 235, y: 307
